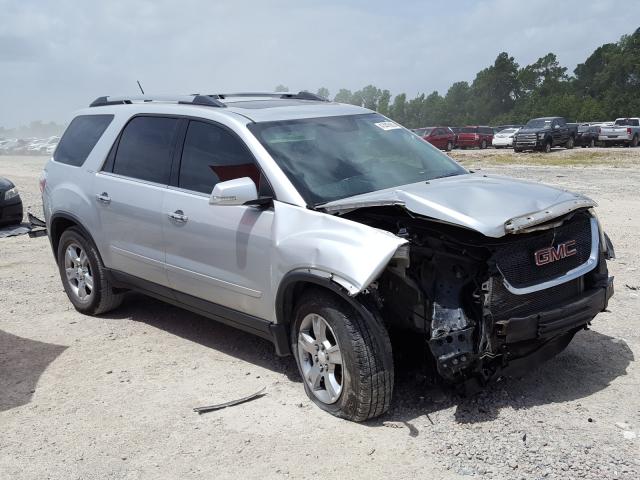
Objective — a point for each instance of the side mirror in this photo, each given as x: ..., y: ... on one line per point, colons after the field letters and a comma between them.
x: 234, y: 192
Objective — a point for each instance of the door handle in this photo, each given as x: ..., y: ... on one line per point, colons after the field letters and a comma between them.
x: 103, y: 198
x: 178, y: 216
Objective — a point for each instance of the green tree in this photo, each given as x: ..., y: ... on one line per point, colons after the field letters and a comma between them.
x: 323, y: 92
x: 383, y: 102
x: 343, y: 96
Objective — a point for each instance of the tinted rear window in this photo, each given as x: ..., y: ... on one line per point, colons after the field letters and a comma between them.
x: 80, y: 137
x: 146, y: 149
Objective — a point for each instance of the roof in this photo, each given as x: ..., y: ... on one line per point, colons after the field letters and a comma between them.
x: 256, y: 107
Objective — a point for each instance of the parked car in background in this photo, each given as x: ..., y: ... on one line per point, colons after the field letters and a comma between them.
x: 624, y: 131
x: 500, y: 128
x: 10, y: 203
x: 504, y: 138
x: 587, y: 135
x: 474, y: 136
x: 544, y: 133
x: 440, y: 137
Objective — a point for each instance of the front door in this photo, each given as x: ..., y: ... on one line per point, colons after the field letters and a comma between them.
x: 217, y: 253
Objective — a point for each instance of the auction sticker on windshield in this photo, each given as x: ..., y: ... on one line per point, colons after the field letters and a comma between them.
x: 387, y: 125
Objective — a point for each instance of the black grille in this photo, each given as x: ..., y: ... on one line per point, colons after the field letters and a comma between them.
x: 517, y: 263
x: 504, y: 304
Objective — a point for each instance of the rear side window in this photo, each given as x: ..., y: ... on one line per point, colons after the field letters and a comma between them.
x: 80, y: 137
x: 212, y: 154
x: 146, y: 148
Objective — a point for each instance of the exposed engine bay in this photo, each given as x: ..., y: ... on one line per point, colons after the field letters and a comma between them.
x: 488, y: 306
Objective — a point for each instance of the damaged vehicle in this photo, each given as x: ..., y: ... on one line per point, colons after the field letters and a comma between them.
x: 322, y: 227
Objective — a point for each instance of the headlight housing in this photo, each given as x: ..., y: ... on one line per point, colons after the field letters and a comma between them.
x: 606, y: 246
x: 11, y: 193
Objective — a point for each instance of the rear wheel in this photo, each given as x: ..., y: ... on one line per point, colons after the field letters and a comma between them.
x: 634, y: 141
x: 83, y: 275
x: 345, y: 362
x: 483, y: 145
x: 570, y: 143
x: 449, y: 146
x: 517, y: 150
x: 592, y: 143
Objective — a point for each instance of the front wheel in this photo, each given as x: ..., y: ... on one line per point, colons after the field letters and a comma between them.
x: 547, y: 146
x: 345, y: 361
x: 449, y: 146
x: 483, y: 145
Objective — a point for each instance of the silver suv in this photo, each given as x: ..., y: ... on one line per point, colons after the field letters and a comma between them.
x: 322, y: 227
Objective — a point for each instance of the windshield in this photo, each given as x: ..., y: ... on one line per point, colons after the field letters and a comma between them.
x: 337, y: 157
x: 508, y: 131
x: 538, y: 123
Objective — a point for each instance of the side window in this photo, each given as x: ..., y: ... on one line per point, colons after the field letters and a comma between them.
x: 212, y: 154
x: 146, y: 149
x: 80, y: 137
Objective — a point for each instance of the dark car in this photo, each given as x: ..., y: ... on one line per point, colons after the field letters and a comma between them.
x: 474, y: 136
x: 545, y: 133
x: 587, y: 135
x: 10, y: 203
x: 440, y: 137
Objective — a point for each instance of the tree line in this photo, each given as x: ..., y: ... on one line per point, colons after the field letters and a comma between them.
x: 605, y: 86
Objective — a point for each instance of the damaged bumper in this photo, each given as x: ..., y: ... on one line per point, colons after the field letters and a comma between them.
x: 553, y: 322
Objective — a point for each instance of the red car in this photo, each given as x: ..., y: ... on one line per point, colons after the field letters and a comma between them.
x: 480, y: 137
x: 440, y: 137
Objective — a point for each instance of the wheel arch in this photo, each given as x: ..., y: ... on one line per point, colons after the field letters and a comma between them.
x: 62, y: 221
x: 295, y: 283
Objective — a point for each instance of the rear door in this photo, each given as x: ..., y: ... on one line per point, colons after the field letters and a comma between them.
x: 129, y: 193
x: 220, y: 254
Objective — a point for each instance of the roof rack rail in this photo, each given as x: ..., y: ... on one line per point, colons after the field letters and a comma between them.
x: 195, y: 99
x: 303, y: 95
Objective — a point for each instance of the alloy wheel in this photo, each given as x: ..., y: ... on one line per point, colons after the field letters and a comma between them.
x: 320, y: 358
x: 78, y: 272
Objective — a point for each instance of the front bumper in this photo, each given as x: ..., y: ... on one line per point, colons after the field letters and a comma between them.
x: 11, y: 213
x: 543, y: 325
x: 502, y: 142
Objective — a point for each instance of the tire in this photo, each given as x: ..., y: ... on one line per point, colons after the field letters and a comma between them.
x: 75, y: 273
x: 449, y: 146
x: 592, y: 143
x: 361, y: 385
x: 483, y: 145
x: 547, y: 146
x: 570, y: 143
x: 634, y: 141
x: 517, y: 150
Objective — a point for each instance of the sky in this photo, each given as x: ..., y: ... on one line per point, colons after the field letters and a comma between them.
x: 57, y: 56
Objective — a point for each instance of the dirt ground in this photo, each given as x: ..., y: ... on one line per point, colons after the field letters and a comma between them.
x: 112, y: 397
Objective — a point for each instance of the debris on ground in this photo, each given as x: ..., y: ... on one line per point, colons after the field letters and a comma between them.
x: 231, y: 403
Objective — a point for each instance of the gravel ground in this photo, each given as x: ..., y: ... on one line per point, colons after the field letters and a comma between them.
x: 112, y: 397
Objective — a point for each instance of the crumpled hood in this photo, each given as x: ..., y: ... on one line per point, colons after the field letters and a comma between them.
x: 491, y: 205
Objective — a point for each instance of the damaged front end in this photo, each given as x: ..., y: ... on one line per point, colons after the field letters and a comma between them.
x: 488, y: 306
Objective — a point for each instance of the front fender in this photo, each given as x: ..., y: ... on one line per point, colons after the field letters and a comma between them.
x: 350, y: 253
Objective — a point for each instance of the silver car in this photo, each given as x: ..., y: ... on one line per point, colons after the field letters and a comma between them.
x: 321, y: 227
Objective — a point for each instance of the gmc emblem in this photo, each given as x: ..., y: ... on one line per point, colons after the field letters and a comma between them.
x: 553, y: 254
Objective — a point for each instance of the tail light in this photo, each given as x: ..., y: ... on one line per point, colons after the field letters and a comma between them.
x: 476, y: 136
x: 628, y: 131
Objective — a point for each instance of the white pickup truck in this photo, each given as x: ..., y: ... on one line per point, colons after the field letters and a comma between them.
x: 624, y: 131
